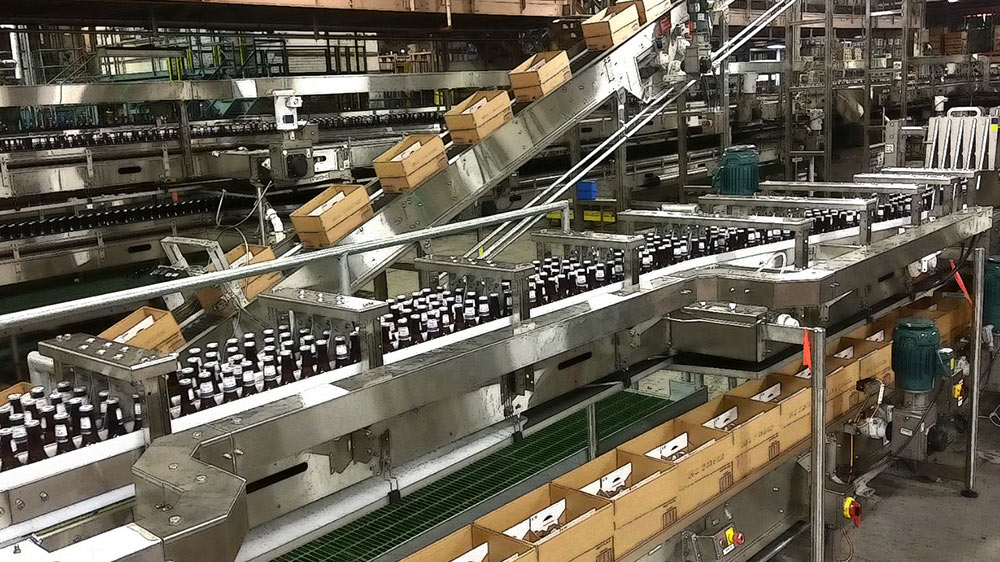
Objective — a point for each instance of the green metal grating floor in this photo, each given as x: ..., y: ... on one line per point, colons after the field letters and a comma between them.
x: 386, y: 528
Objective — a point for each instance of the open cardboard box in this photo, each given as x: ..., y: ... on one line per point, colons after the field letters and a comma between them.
x: 478, y: 116
x: 16, y: 388
x: 474, y: 543
x: 648, y: 9
x: 756, y: 428
x: 874, y: 358
x: 410, y: 162
x: 643, y: 491
x: 610, y: 26
x: 149, y: 328
x: 944, y: 320
x: 579, y: 526
x: 331, y: 215
x: 841, y: 380
x: 540, y: 74
x: 792, y: 395
x: 958, y: 310
x: 211, y: 297
x: 703, y: 459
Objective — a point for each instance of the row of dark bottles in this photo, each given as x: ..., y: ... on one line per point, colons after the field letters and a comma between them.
x: 38, y: 425
x: 114, y: 216
x: 79, y: 139
x: 384, y: 119
x: 431, y: 313
x: 241, y: 367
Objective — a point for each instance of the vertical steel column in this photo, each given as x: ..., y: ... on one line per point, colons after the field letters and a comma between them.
x: 817, y: 455
x: 726, y: 138
x: 866, y: 99
x: 787, y: 77
x: 187, y: 155
x: 975, y: 350
x: 904, y: 76
x: 682, y: 157
x: 624, y: 191
x: 829, y: 38
x: 575, y: 155
x: 591, y: 431
x: 262, y: 223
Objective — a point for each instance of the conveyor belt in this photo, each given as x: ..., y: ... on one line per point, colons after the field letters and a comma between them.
x: 382, y: 530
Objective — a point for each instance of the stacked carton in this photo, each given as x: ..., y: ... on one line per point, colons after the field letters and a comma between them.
x: 331, y: 215
x: 149, y: 328
x: 410, y: 163
x: 540, y: 74
x: 610, y: 26
x: 478, y: 116
x: 612, y: 505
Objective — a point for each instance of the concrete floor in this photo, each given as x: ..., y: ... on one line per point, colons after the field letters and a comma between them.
x: 916, y: 519
x: 921, y: 520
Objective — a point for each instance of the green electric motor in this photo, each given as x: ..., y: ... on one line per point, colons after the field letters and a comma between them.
x: 991, y: 293
x: 738, y: 172
x: 915, y: 358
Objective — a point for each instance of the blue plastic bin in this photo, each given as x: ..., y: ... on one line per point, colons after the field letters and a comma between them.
x: 586, y: 190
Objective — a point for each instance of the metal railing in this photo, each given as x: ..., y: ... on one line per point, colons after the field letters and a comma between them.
x: 40, y: 315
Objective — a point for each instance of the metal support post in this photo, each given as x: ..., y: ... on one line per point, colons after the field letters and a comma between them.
x: 830, y: 38
x: 371, y: 344
x: 565, y: 219
x: 817, y: 455
x: 575, y: 146
x: 623, y: 190
x: 682, y: 157
x: 726, y: 138
x: 904, y: 75
x: 788, y: 74
x: 260, y: 213
x: 154, y: 389
x: 344, y: 274
x: 184, y: 127
x: 975, y: 350
x: 591, y: 431
x: 866, y: 97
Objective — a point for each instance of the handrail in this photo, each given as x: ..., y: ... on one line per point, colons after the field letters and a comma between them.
x: 42, y: 314
x: 527, y: 223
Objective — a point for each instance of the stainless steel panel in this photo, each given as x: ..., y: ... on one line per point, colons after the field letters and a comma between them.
x: 69, y: 94
x: 67, y: 488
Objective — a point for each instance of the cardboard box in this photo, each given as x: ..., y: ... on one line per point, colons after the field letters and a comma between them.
x: 405, y: 166
x: 753, y: 422
x: 211, y: 298
x: 16, y: 388
x: 320, y: 225
x: 842, y: 378
x: 945, y: 322
x: 792, y: 395
x: 874, y: 358
x: 331, y: 237
x: 610, y: 26
x: 162, y: 333
x: 648, y: 10
x: 585, y: 525
x: 839, y: 405
x: 478, y: 116
x: 703, y: 459
x: 542, y: 73
x: 500, y: 547
x: 958, y: 311
x: 642, y: 490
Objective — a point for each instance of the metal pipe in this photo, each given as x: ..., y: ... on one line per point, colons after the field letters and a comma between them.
x: 42, y: 314
x: 591, y: 431
x: 817, y: 453
x: 979, y: 264
x: 651, y: 107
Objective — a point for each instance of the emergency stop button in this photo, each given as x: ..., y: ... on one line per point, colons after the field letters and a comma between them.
x: 739, y: 539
